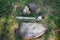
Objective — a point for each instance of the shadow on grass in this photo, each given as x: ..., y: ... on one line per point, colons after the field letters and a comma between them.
x: 16, y: 33
x: 17, y: 37
x: 46, y: 35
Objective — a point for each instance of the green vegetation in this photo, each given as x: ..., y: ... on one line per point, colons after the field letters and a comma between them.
x: 9, y: 9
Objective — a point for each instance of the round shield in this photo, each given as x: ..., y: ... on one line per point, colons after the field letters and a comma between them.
x: 31, y: 30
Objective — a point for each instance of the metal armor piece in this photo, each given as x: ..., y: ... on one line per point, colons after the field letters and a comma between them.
x: 31, y: 30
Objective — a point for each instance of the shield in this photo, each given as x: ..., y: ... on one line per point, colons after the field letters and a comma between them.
x: 31, y: 30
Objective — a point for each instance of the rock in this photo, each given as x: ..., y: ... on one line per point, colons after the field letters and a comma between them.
x: 31, y: 30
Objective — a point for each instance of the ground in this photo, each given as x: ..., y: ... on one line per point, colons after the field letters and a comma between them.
x: 8, y: 23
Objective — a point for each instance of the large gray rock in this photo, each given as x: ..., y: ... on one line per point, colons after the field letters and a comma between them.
x: 31, y: 30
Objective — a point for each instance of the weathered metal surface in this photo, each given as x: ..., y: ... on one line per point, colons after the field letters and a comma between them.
x: 30, y: 18
x: 31, y: 30
x: 32, y: 7
x: 26, y: 10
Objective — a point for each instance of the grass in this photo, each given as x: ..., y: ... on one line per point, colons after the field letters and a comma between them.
x: 8, y: 24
